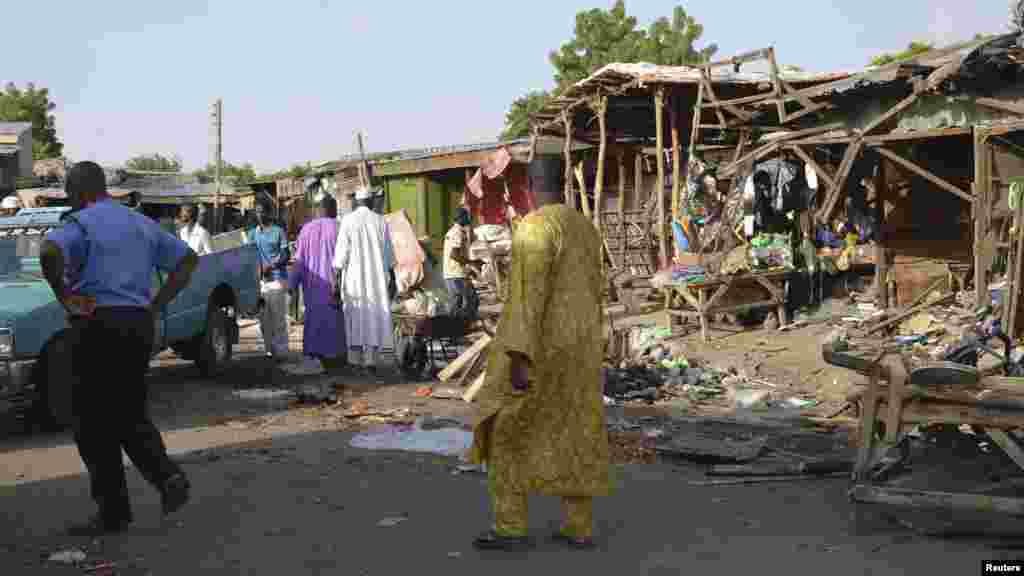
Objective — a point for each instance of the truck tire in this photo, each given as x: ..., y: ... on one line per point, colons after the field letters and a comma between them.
x: 214, y: 345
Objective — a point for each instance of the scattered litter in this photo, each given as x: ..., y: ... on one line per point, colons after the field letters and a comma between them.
x: 750, y: 398
x: 306, y: 367
x: 446, y: 394
x: 444, y: 441
x: 101, y: 569
x: 264, y: 394
x: 71, y: 556
x: 391, y: 522
x: 470, y: 469
x: 800, y: 403
x: 423, y: 392
x: 608, y: 401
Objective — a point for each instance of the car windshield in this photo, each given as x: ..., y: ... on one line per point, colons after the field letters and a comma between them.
x: 20, y: 254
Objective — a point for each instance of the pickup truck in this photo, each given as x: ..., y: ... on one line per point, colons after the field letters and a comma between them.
x: 200, y: 324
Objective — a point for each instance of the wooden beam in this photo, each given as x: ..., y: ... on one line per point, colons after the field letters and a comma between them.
x: 677, y: 154
x: 709, y: 89
x: 697, y: 108
x: 751, y: 56
x: 896, y: 158
x: 759, y: 152
x: 621, y: 156
x: 570, y: 199
x: 638, y: 180
x: 584, y: 202
x: 899, y: 107
x: 930, y: 500
x: 773, y: 68
x: 881, y: 254
x: 1000, y: 105
x: 852, y: 152
x: 822, y: 173
x: 601, y: 109
x: 659, y: 121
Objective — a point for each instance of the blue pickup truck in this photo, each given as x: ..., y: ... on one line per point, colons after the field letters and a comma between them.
x: 200, y: 324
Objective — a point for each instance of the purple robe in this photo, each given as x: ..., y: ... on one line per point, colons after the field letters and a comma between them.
x: 323, y: 330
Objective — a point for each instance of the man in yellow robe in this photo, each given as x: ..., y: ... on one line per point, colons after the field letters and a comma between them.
x: 542, y: 427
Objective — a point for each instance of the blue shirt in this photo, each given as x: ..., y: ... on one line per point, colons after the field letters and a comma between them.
x: 114, y: 257
x: 272, y: 245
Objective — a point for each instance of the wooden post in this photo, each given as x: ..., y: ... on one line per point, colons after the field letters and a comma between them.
x: 881, y: 254
x: 622, y: 205
x: 659, y: 186
x: 601, y: 109
x: 982, y: 181
x: 570, y: 199
x: 584, y: 203
x: 638, y: 179
x: 677, y: 155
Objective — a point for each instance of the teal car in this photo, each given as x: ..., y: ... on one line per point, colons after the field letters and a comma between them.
x: 200, y: 324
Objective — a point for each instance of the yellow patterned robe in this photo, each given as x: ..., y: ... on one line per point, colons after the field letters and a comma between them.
x: 553, y: 439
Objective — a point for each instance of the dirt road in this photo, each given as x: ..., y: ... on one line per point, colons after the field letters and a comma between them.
x: 281, y: 492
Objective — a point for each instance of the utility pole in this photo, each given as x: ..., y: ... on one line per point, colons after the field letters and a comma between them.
x: 364, y: 167
x: 218, y: 125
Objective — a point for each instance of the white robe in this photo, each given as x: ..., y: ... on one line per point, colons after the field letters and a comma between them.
x: 364, y: 256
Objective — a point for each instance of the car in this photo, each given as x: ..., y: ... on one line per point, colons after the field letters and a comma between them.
x: 36, y: 376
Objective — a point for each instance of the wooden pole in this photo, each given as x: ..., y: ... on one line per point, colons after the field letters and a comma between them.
x: 659, y: 186
x: 622, y: 205
x: 695, y: 129
x: 638, y: 179
x: 570, y: 199
x: 982, y: 177
x: 677, y: 155
x: 601, y: 108
x: 584, y: 203
x: 881, y: 254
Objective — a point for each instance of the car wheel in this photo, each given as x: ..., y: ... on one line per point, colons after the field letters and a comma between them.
x: 215, y: 346
x: 53, y: 378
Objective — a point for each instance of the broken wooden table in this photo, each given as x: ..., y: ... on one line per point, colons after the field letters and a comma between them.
x: 699, y: 300
x: 899, y: 401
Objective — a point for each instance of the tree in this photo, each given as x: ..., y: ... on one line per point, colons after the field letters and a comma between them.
x: 236, y: 174
x: 517, y: 119
x: 33, y: 105
x: 602, y: 37
x: 913, y: 49
x: 154, y: 163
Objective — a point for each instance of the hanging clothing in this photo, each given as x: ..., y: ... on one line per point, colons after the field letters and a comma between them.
x: 364, y: 259
x: 197, y: 238
x: 551, y: 439
x: 323, y: 327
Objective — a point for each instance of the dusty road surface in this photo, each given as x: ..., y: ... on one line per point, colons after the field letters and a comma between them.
x: 278, y: 490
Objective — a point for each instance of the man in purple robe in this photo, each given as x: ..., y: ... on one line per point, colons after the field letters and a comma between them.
x: 323, y: 331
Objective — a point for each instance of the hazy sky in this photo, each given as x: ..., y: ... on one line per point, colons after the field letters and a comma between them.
x: 298, y: 77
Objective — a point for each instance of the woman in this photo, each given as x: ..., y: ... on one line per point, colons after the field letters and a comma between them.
x: 192, y: 233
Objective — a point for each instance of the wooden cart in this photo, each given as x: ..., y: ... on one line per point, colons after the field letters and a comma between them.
x: 897, y: 400
x: 721, y: 295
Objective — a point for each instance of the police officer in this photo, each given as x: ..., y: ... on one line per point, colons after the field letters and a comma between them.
x: 108, y: 253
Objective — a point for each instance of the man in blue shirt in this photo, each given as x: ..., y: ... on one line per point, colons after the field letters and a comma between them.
x: 108, y: 254
x: 272, y: 245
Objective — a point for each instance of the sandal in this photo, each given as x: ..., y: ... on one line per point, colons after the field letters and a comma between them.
x: 576, y: 543
x: 491, y: 540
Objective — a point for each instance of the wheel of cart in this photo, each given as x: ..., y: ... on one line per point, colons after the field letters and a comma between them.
x: 421, y: 339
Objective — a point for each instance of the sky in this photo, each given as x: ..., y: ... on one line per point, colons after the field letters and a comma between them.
x: 297, y: 78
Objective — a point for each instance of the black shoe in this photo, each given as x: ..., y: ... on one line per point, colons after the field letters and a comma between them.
x: 96, y: 526
x: 491, y: 540
x: 572, y: 542
x: 175, y: 494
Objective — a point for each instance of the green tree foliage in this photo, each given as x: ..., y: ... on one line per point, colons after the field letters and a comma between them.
x: 602, y: 37
x: 33, y: 105
x: 517, y: 119
x: 154, y: 163
x: 232, y: 173
x: 913, y: 49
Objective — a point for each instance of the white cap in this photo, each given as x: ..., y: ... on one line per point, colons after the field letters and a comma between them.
x: 10, y: 203
x: 363, y: 193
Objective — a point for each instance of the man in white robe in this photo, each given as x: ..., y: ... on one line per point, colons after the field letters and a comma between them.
x: 364, y: 261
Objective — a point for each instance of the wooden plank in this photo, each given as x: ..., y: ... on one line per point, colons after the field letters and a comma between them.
x: 475, y: 387
x: 924, y: 173
x: 1009, y: 445
x: 918, y: 135
x: 677, y: 156
x: 899, y: 107
x: 741, y: 114
x: 464, y: 359
x: 695, y: 129
x: 743, y: 58
x: 930, y: 500
x: 908, y: 313
x: 775, y: 143
x: 601, y: 109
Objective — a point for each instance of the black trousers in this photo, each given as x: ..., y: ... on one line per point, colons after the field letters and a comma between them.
x: 111, y: 353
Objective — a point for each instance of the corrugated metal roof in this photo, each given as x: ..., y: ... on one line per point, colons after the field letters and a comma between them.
x: 449, y: 150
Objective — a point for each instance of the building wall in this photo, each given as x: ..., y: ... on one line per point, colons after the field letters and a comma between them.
x: 25, y: 155
x: 8, y: 173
